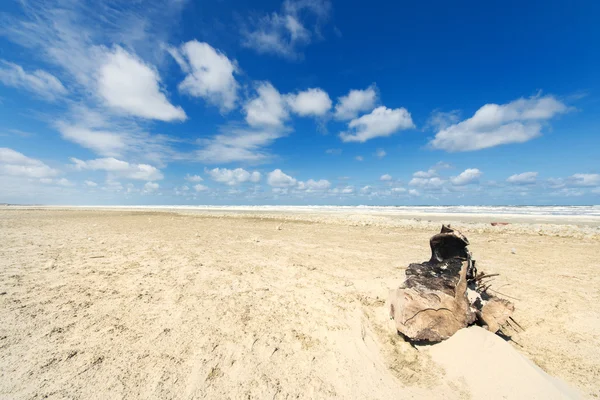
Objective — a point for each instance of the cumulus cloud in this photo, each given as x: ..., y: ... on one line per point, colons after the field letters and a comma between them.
x: 427, y: 183
x: 277, y: 178
x: 343, y: 190
x: 209, y: 74
x: 268, y: 109
x: 129, y: 85
x: 233, y: 176
x: 468, y: 176
x: 433, y: 171
x: 425, y: 174
x: 285, y: 33
x: 355, y: 102
x: 39, y: 82
x: 151, y: 187
x: 200, y: 188
x: 525, y: 178
x: 311, y: 102
x: 118, y: 168
x: 398, y: 190
x: 493, y: 125
x: 90, y: 183
x: 193, y: 178
x: 414, y: 192
x: 314, y: 186
x: 381, y: 122
x: 585, y: 180
x: 14, y: 163
x: 385, y: 177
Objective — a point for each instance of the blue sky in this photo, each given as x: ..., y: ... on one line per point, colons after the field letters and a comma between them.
x: 299, y: 102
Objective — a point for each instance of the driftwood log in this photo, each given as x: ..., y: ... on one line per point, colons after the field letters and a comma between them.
x: 445, y: 294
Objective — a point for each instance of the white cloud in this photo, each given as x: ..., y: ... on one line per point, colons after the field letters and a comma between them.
x: 108, y: 136
x: 385, y: 177
x: 277, y: 178
x: 399, y: 190
x: 61, y: 182
x: 380, y: 122
x: 336, y: 152
x: 433, y: 171
x: 90, y: 183
x: 151, y: 187
x: 209, y: 74
x: 380, y: 153
x: 344, y: 190
x: 439, y: 120
x: 585, y: 180
x: 200, y: 188
x: 356, y: 101
x: 312, y: 186
x: 492, y: 125
x: 366, y: 189
x: 468, y: 176
x: 232, y: 176
x: 64, y: 182
x: 425, y: 174
x: 236, y: 144
x: 39, y: 82
x: 427, y: 183
x: 414, y: 192
x: 193, y: 178
x: 101, y: 142
x: 359, y: 158
x: 284, y: 33
x: 311, y: 102
x: 268, y: 109
x: 130, y: 86
x: 17, y: 164
x: 525, y: 178
x: 119, y: 168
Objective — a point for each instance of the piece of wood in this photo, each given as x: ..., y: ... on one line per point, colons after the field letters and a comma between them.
x: 433, y: 302
x: 496, y: 312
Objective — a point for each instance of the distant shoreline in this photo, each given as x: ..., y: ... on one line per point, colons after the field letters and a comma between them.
x: 588, y: 216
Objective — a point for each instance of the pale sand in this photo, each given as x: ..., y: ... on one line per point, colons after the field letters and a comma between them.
x: 139, y: 304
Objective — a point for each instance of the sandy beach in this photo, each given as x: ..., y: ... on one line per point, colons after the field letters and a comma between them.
x: 274, y: 304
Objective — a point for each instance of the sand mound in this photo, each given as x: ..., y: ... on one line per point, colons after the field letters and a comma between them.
x: 493, y: 369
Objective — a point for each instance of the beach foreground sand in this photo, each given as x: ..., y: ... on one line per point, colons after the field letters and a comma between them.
x: 143, y: 304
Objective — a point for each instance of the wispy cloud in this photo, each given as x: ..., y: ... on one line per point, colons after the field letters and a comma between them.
x: 119, y: 169
x: 287, y: 32
x: 40, y: 82
x: 525, y: 178
x: 14, y: 163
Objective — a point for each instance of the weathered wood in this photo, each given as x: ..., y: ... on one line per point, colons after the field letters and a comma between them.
x: 432, y: 304
x: 445, y: 294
